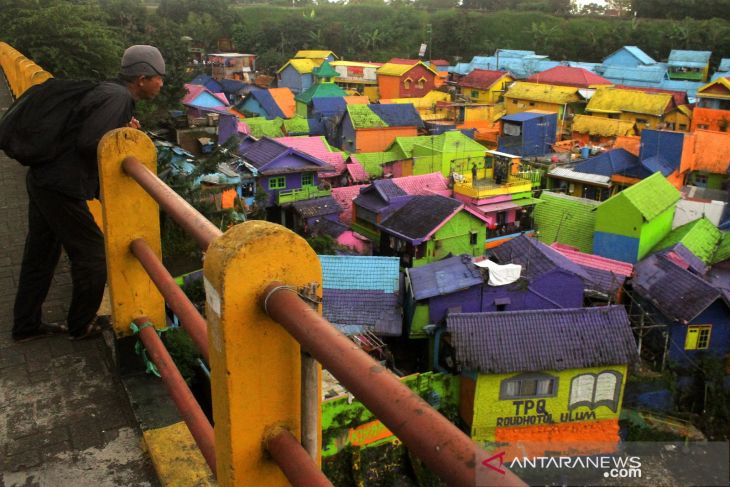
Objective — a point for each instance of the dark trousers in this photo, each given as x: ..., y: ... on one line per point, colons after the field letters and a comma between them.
x: 55, y: 221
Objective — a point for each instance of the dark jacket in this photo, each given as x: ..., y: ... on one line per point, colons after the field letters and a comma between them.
x: 74, y: 173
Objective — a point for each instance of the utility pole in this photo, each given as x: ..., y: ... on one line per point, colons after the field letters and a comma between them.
x: 429, y: 31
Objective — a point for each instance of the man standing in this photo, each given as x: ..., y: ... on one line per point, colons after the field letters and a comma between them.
x: 58, y: 215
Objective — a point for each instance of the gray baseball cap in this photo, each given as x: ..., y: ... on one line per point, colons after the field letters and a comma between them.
x: 142, y: 60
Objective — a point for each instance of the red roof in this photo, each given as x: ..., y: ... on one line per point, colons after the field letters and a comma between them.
x: 569, y: 76
x: 398, y: 60
x: 680, y: 97
x: 594, y: 261
x: 482, y: 79
x: 439, y: 62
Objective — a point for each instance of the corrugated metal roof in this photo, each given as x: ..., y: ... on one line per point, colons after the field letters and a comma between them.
x: 594, y: 261
x: 360, y: 272
x: 625, y: 75
x: 535, y: 257
x: 700, y: 237
x: 640, y: 55
x: 444, y: 277
x: 566, y: 173
x: 615, y: 100
x: 616, y: 161
x: 691, y: 59
x: 650, y: 196
x: 348, y: 309
x: 541, y: 92
x: 602, y: 126
x: 566, y: 219
x: 328, y: 106
x: 542, y: 340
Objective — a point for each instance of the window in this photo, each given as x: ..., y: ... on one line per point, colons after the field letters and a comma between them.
x: 278, y: 182
x: 307, y: 179
x: 474, y: 94
x: 593, y: 390
x: 642, y: 121
x: 702, y: 126
x: 682, y: 126
x: 528, y: 385
x: 421, y: 83
x: 514, y: 102
x: 473, y: 238
x: 407, y: 83
x: 532, y: 103
x: 698, y: 337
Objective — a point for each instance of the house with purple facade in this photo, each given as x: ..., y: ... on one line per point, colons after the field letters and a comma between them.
x: 285, y: 175
x: 362, y: 294
x: 696, y: 312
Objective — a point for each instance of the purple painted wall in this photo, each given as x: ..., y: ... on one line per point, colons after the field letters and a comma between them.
x: 293, y: 181
x: 347, y: 135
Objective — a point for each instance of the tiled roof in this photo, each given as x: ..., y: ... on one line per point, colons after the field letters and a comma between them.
x: 679, y: 96
x: 722, y: 252
x: 616, y: 161
x: 284, y: 98
x: 302, y: 66
x: 363, y: 117
x: 317, y: 207
x: 708, y: 151
x: 201, y: 97
x: 319, y: 90
x: 685, y: 258
x: 344, y: 197
x: 444, y: 277
x: 700, y: 237
x: 481, y: 79
x: 717, y: 88
x: 398, y: 115
x: 607, y: 275
x: 319, y: 148
x: 398, y: 60
x: 388, y: 189
x: 373, y: 162
x: 420, y: 216
x: 566, y: 219
x: 357, y: 172
x: 261, y: 127
x: 541, y: 92
x: 424, y: 184
x: 569, y: 76
x: 605, y: 127
x: 651, y: 196
x: 263, y: 151
x: 375, y: 309
x: 690, y: 59
x: 296, y: 126
x: 535, y: 257
x: 324, y: 226
x: 542, y: 340
x: 612, y: 100
x: 678, y: 293
x: 357, y: 272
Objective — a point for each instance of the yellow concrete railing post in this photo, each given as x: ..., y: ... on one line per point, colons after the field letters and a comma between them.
x: 129, y: 213
x: 21, y: 72
x: 255, y: 363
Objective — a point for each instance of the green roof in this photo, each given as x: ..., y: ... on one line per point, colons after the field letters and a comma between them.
x: 325, y: 70
x: 373, y: 162
x: 403, y: 146
x: 320, y: 90
x: 700, y: 237
x: 722, y: 252
x: 364, y: 118
x: 566, y: 219
x: 296, y: 126
x: 651, y: 196
x: 261, y: 127
x: 451, y: 142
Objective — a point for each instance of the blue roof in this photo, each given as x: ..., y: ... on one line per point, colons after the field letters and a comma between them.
x: 444, y: 277
x: 661, y: 150
x: 640, y: 55
x: 329, y: 105
x: 366, y: 273
x: 268, y: 103
x: 690, y: 87
x: 232, y: 86
x: 398, y: 114
x: 690, y: 59
x: 652, y: 75
x: 724, y: 65
x: 616, y: 161
x: 523, y: 116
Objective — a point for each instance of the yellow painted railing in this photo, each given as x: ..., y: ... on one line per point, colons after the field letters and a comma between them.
x: 21, y: 72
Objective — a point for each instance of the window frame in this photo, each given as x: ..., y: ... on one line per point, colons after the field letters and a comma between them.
x: 310, y: 177
x: 523, y: 379
x: 273, y: 182
x: 704, y: 333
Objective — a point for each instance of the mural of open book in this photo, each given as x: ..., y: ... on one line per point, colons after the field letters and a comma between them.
x: 595, y: 390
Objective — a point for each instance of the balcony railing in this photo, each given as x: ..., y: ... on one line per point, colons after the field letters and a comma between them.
x: 509, y: 229
x: 488, y: 187
x: 300, y: 194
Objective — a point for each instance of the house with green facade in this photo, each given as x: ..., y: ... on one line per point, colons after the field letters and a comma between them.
x: 448, y: 152
x: 324, y: 86
x: 630, y: 223
x: 700, y: 237
x: 565, y: 219
x: 428, y: 228
x: 543, y: 377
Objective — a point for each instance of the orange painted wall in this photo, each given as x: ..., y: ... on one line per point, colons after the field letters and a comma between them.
x: 389, y: 86
x: 378, y: 139
x: 710, y: 119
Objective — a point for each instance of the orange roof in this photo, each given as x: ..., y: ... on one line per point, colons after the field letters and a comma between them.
x: 356, y: 100
x: 285, y: 99
x: 708, y: 151
x: 630, y: 143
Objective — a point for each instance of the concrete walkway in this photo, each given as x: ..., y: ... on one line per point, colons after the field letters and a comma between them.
x: 65, y: 419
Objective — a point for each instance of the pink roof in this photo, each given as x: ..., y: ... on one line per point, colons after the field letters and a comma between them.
x: 243, y: 128
x: 344, y: 197
x: 355, y: 241
x: 594, y: 261
x: 357, y: 172
x: 569, y: 76
x: 316, y: 146
x: 195, y: 90
x: 425, y: 184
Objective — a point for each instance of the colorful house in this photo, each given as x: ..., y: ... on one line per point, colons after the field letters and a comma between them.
x: 705, y: 160
x: 689, y: 65
x: 646, y: 110
x: 662, y: 151
x: 268, y: 103
x: 361, y: 293
x: 566, y: 101
x: 319, y: 148
x: 589, y: 130
x: 304, y: 215
x: 357, y: 78
x: 566, y: 220
x: 566, y: 179
x: 646, y: 210
x: 485, y: 86
x: 373, y: 128
x: 448, y: 152
x: 622, y: 167
x: 431, y: 106
x: 696, y: 312
x: 232, y: 65
x: 569, y: 76
x: 323, y: 87
x: 528, y: 134
x: 373, y: 162
x: 700, y: 237
x: 345, y: 196
x: 286, y: 175
x: 713, y: 106
x: 428, y: 228
x: 296, y: 74
x: 627, y: 56
x: 405, y: 80
x: 544, y: 376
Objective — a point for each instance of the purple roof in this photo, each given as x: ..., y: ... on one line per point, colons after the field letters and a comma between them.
x: 535, y: 257
x: 420, y: 216
x: 323, y: 226
x: 694, y: 262
x: 265, y: 151
x: 378, y: 195
x: 542, y: 340
x: 603, y: 281
x: 360, y: 307
x: 317, y: 207
x: 444, y: 277
x: 676, y: 292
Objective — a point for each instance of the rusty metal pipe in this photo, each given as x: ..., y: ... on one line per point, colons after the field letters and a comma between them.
x: 179, y: 391
x: 190, y: 219
x: 190, y: 318
x: 444, y: 448
x: 293, y: 460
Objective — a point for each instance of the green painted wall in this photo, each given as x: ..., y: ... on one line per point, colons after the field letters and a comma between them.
x: 491, y: 412
x: 302, y: 109
x: 454, y: 238
x: 654, y: 231
x: 420, y: 319
x: 618, y: 215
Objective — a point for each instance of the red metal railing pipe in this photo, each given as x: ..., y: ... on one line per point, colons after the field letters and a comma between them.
x: 190, y: 318
x: 179, y: 391
x: 445, y: 449
x: 190, y: 219
x: 293, y: 460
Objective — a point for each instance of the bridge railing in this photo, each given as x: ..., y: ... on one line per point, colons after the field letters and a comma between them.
x: 21, y: 72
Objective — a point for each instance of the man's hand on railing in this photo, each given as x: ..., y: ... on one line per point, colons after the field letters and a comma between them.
x: 134, y: 123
